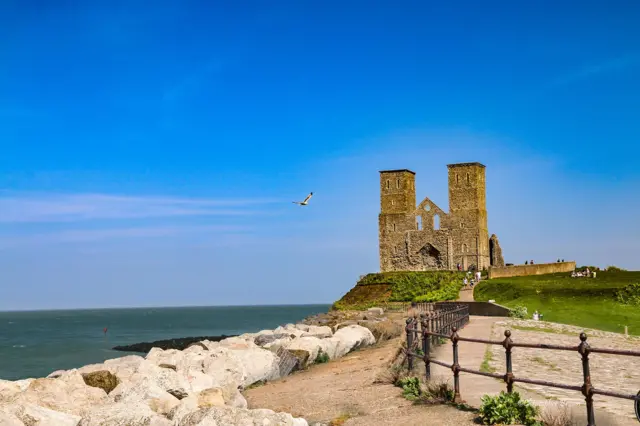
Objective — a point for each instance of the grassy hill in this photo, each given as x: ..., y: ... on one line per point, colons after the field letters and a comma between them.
x: 380, y: 288
x: 608, y: 302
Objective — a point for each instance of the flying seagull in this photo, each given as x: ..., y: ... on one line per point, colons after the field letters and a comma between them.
x: 306, y: 200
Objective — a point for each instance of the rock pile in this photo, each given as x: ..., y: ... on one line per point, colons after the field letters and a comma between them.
x: 200, y: 385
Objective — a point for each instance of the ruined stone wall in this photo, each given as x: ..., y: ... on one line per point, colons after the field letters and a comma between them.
x: 495, y: 252
x: 426, y: 237
x: 523, y: 270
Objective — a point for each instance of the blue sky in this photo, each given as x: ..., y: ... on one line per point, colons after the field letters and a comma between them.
x: 151, y: 151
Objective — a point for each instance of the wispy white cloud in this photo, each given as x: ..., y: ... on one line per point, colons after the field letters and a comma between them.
x: 594, y: 70
x: 30, y: 207
x: 104, y: 234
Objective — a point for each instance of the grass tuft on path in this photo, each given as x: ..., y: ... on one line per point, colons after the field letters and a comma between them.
x: 584, y: 302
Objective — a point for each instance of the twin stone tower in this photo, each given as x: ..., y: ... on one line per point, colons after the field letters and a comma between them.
x: 426, y: 238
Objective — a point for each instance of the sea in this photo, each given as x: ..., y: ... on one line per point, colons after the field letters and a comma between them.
x: 37, y: 343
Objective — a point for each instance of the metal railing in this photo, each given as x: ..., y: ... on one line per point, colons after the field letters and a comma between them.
x: 434, y: 325
x: 404, y: 306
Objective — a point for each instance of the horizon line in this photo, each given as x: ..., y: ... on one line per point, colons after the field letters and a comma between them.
x: 166, y: 307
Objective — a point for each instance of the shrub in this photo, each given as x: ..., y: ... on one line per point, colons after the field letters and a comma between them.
x: 519, y: 312
x: 392, y: 375
x: 558, y: 416
x: 613, y: 268
x: 322, y: 357
x: 629, y: 295
x: 410, y: 387
x: 508, y: 409
x: 436, y: 392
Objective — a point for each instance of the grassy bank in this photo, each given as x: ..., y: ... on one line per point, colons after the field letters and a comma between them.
x: 422, y: 286
x: 587, y: 302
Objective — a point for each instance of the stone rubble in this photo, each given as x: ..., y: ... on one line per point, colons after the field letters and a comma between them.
x: 200, y: 385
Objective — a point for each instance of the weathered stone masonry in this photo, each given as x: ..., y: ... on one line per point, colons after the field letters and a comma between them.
x: 426, y: 237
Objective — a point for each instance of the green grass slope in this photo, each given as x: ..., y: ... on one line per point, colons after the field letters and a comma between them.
x: 607, y: 302
x: 422, y: 286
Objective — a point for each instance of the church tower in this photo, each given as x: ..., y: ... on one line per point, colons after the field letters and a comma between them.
x: 397, y: 206
x: 468, y: 214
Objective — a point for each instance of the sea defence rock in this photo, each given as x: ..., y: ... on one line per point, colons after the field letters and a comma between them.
x: 179, y: 343
x: 198, y: 385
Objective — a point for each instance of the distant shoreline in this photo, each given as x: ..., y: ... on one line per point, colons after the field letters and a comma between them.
x: 178, y: 343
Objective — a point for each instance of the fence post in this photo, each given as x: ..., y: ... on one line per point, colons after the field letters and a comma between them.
x: 587, y: 389
x: 426, y: 348
x: 433, y: 327
x: 455, y: 367
x: 508, y: 377
x: 409, y: 344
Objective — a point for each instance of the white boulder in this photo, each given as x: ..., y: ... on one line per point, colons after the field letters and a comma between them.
x: 143, y: 389
x: 223, y: 416
x: 124, y: 414
x: 352, y: 337
x: 8, y: 390
x: 68, y: 394
x: 7, y: 418
x: 31, y: 414
x: 320, y: 332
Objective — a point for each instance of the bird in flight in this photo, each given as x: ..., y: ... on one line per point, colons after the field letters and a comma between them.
x: 306, y: 200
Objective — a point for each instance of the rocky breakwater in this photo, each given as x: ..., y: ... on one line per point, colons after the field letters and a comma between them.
x: 200, y: 385
x: 383, y: 325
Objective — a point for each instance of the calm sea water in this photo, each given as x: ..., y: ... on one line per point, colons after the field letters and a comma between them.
x: 34, y: 344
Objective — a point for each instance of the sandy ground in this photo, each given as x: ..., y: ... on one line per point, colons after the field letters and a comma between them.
x: 345, y: 389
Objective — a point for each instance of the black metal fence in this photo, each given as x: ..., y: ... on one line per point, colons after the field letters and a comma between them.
x: 435, y: 325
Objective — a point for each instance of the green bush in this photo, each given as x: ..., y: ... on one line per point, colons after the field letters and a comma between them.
x: 410, y: 387
x: 419, y: 286
x: 629, y: 295
x: 508, y: 409
x: 613, y: 268
x: 519, y: 312
x: 322, y: 357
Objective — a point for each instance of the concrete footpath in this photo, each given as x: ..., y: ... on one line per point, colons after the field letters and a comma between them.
x: 473, y: 387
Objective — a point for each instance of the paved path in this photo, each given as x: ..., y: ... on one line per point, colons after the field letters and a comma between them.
x: 466, y: 295
x: 471, y: 355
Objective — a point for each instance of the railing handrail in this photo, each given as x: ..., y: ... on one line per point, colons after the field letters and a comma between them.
x: 433, y: 328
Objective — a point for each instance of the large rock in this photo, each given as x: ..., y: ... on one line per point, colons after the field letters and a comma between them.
x: 68, y: 394
x: 214, y: 397
x: 311, y: 346
x: 351, y: 338
x: 143, y: 389
x: 375, y: 311
x: 223, y: 416
x: 7, y: 418
x: 383, y: 330
x: 165, y: 358
x: 289, y: 329
x: 263, y: 340
x: 243, y: 359
x: 31, y: 414
x: 8, y: 390
x: 102, y: 379
x: 317, y: 331
x: 124, y: 414
x: 122, y: 367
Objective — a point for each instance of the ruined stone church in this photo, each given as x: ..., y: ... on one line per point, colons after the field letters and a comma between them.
x: 426, y: 238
